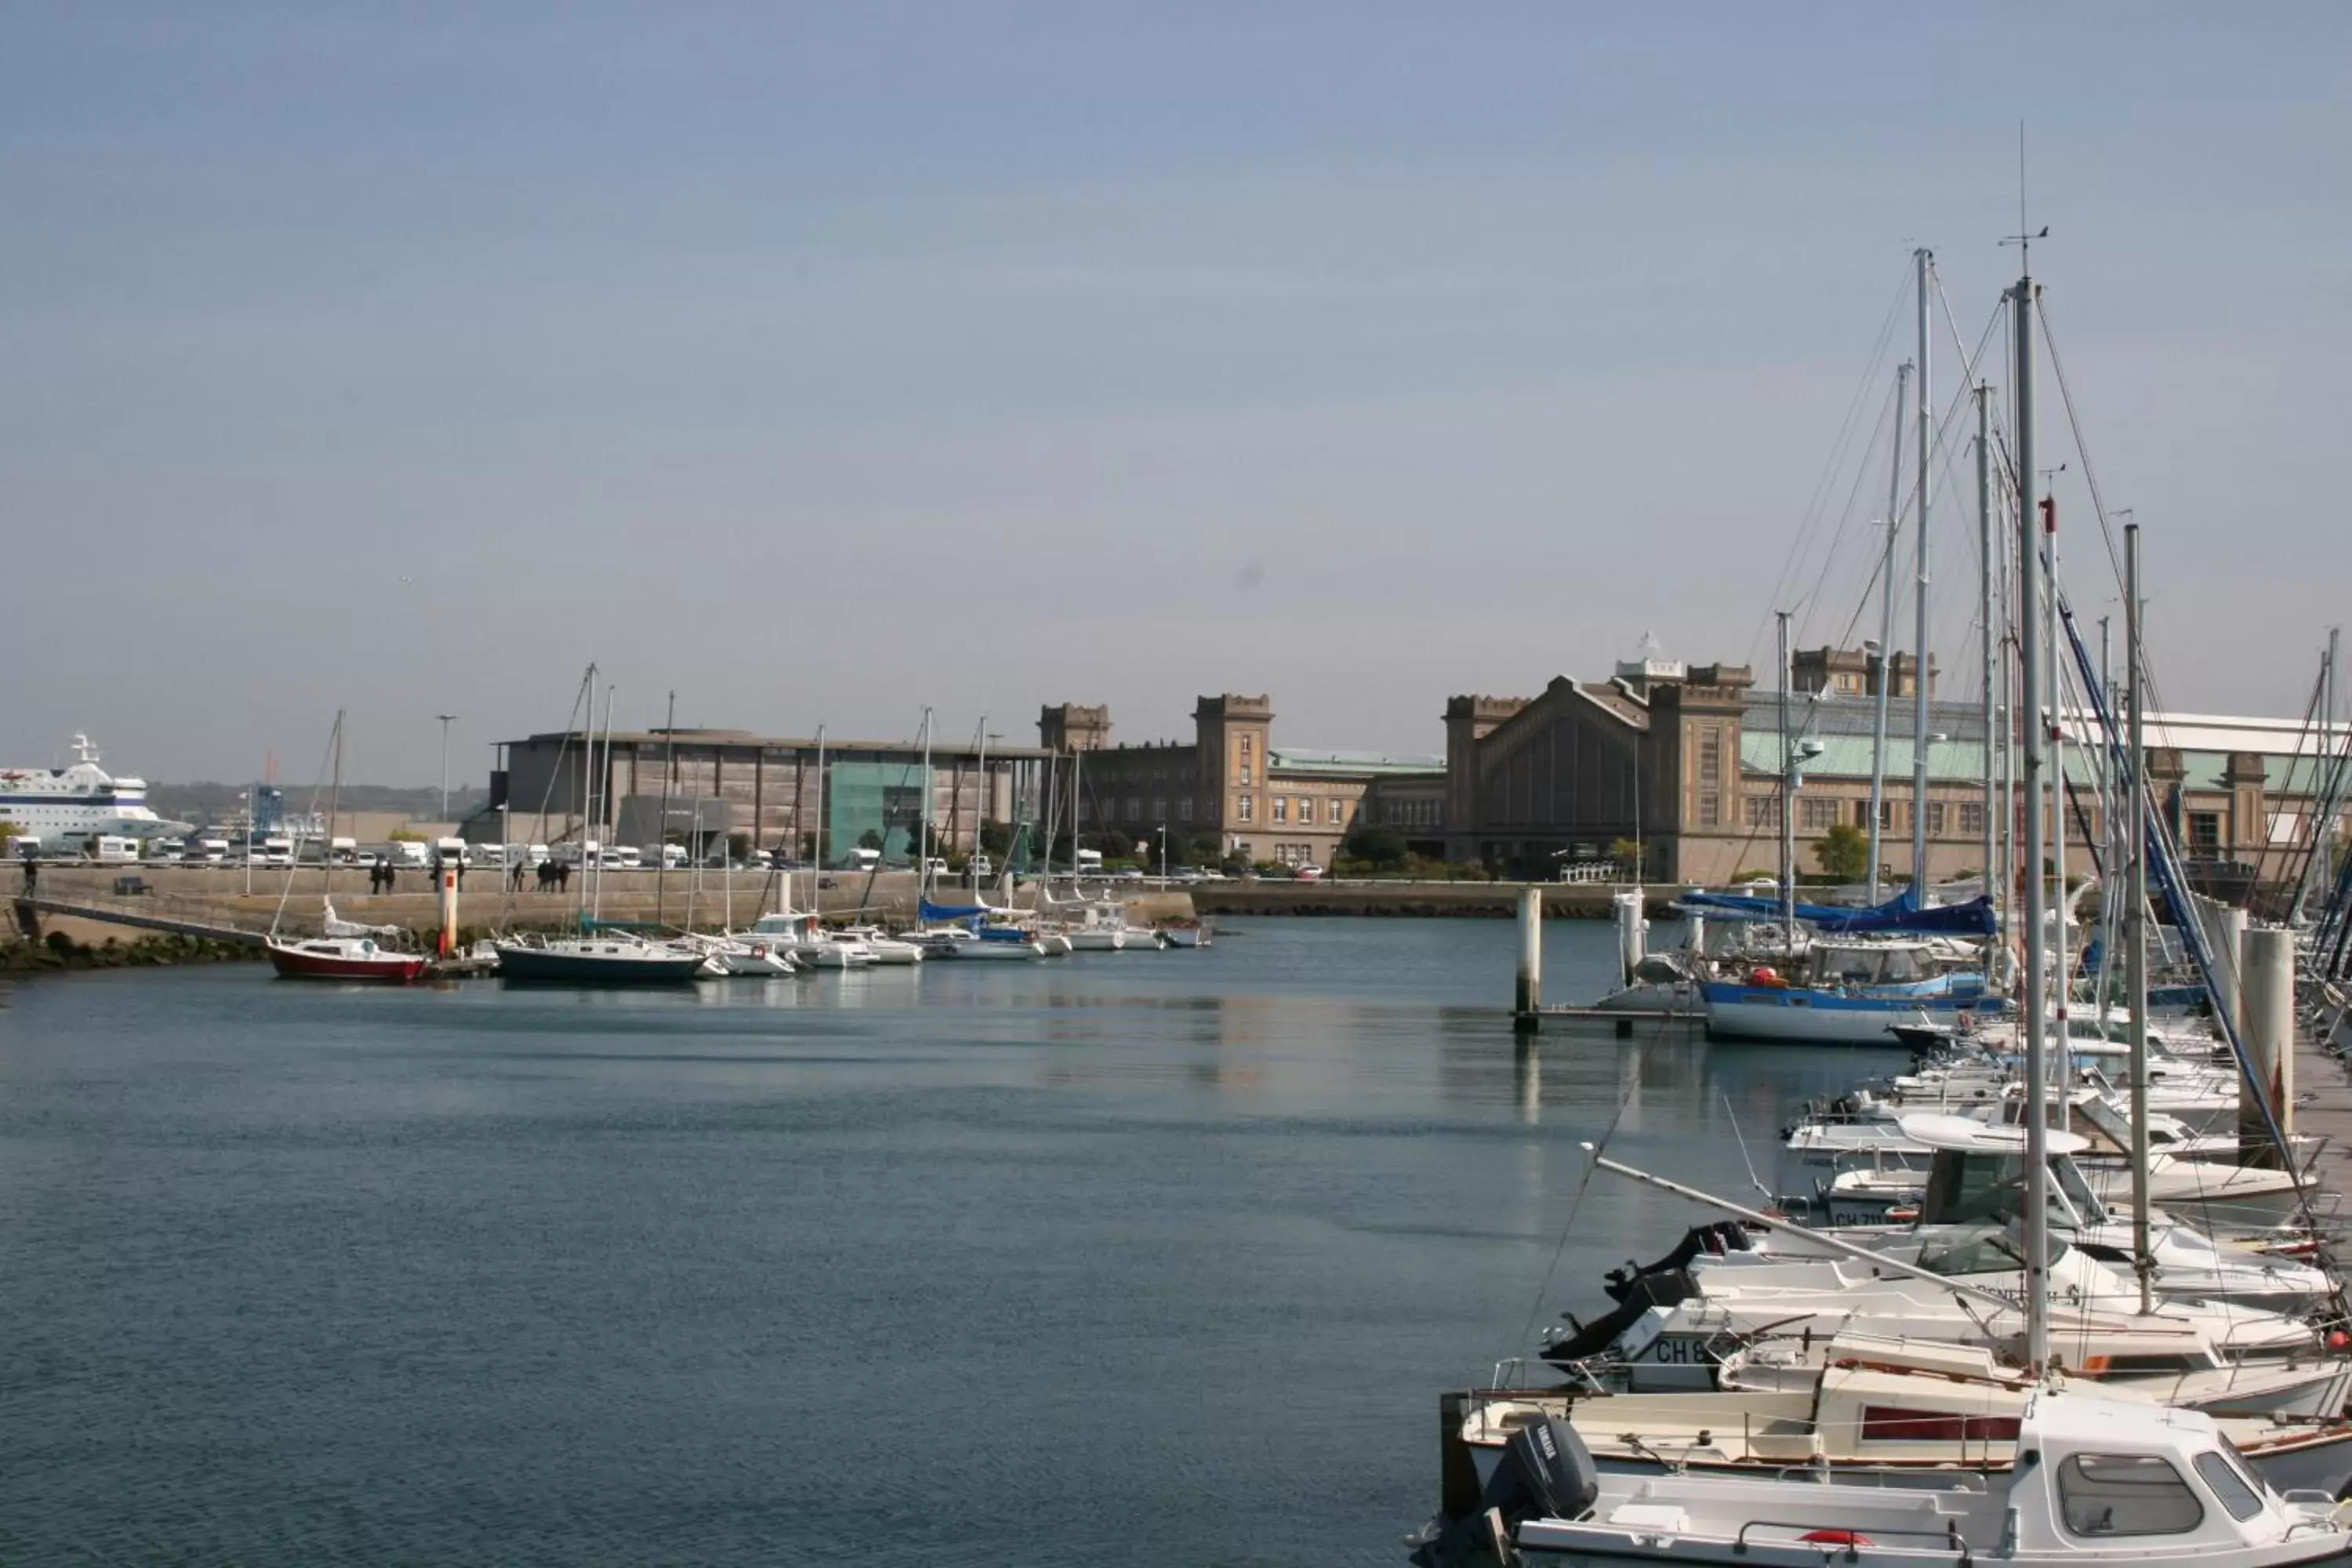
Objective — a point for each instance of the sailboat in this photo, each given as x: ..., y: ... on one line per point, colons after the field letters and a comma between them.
x: 2093, y: 1478
x: 344, y: 950
x: 595, y: 955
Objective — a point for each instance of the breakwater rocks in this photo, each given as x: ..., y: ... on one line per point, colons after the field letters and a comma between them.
x: 59, y: 953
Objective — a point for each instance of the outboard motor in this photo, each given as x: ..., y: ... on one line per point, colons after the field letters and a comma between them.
x: 1546, y: 1472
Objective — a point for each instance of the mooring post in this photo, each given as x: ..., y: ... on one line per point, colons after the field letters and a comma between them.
x: 2225, y: 935
x: 448, y: 944
x: 1528, y: 1007
x: 2266, y: 991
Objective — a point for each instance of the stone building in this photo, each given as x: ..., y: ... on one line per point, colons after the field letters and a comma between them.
x: 1229, y: 784
x: 1685, y: 761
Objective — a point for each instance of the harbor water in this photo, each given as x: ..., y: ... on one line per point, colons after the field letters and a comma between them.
x: 1155, y: 1259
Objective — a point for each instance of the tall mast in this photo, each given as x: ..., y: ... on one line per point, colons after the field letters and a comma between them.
x: 2062, y: 969
x: 817, y: 834
x: 1788, y: 802
x: 1925, y: 260
x: 1984, y: 608
x: 587, y: 795
x: 2135, y: 916
x: 604, y: 827
x: 2030, y: 1012
x: 661, y: 833
x: 1885, y: 632
x: 980, y: 812
x: 923, y: 823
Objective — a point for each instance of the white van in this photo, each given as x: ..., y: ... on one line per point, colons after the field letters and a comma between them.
x: 407, y: 854
x: 862, y: 859
x: 672, y: 857
x: 1090, y: 863
x: 208, y: 851
x: 452, y: 852
x: 108, y: 849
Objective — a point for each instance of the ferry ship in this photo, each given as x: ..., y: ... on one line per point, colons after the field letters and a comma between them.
x: 68, y: 807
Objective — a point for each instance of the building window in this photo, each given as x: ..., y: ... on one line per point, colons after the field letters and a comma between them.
x: 1282, y: 809
x: 1134, y: 808
x: 1337, y: 814
x: 1817, y: 812
x: 1762, y: 810
x: 1710, y: 810
x: 1159, y: 808
x: 1850, y: 685
x: 1184, y: 808
x: 1246, y: 759
x: 1710, y: 757
x: 1306, y: 812
x: 2205, y: 832
x: 1242, y: 809
x: 1937, y: 815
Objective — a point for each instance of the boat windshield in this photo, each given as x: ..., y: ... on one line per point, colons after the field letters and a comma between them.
x: 1987, y: 1250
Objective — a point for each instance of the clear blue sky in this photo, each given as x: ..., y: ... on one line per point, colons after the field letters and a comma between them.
x: 822, y: 362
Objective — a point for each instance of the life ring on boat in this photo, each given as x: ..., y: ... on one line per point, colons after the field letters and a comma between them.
x: 1764, y: 975
x: 758, y: 950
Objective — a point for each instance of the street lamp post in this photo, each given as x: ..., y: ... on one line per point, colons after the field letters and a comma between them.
x: 1163, y: 852
x: 446, y: 719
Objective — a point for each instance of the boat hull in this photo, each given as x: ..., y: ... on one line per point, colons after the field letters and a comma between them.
x: 540, y: 965
x: 1794, y: 1015
x: 292, y: 962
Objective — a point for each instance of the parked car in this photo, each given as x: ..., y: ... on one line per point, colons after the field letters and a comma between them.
x: 1307, y: 873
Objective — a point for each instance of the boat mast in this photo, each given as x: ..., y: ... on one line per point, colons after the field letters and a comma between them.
x: 817, y: 834
x: 2062, y: 971
x: 1886, y: 632
x: 923, y: 825
x: 1925, y: 260
x: 980, y: 814
x: 587, y: 795
x: 1788, y: 802
x: 661, y: 832
x: 2136, y: 917
x: 1984, y: 608
x: 604, y: 824
x: 2037, y: 1088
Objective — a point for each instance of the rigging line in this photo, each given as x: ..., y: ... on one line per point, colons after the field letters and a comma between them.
x: 1633, y: 1083
x: 1823, y: 483
x: 1975, y: 361
x: 2081, y: 448
x: 1830, y: 556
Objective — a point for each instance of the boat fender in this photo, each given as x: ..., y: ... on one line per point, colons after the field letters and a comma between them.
x: 1767, y: 977
x: 1851, y: 1540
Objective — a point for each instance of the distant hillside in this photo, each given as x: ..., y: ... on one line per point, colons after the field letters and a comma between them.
x: 208, y: 802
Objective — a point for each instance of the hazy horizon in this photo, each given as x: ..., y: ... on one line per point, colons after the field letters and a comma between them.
x: 822, y: 363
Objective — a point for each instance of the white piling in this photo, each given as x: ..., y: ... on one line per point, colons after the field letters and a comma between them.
x: 2225, y: 935
x: 1527, y: 1006
x: 1632, y: 931
x: 2266, y: 987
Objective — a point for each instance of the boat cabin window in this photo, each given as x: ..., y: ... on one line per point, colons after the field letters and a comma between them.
x: 1901, y: 964
x: 1985, y: 1251
x: 1962, y: 1188
x: 1845, y: 965
x: 2126, y: 1494
x: 2239, y: 1495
